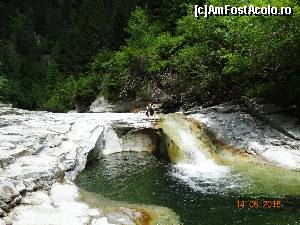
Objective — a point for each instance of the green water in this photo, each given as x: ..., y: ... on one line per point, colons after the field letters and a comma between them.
x: 142, y: 178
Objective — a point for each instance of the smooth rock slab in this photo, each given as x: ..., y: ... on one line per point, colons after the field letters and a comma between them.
x: 38, y: 149
x: 238, y: 129
x: 60, y: 207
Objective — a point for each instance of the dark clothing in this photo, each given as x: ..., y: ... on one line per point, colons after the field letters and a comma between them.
x: 150, y: 111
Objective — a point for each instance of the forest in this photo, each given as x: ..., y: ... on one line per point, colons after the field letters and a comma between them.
x: 60, y: 55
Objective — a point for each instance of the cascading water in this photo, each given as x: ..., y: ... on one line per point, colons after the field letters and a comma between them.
x: 189, y: 151
x: 200, y: 186
x: 198, y: 163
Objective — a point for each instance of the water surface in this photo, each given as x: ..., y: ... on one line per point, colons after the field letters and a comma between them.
x: 142, y: 178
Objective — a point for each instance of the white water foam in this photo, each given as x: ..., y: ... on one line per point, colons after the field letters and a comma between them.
x: 198, y: 171
x: 205, y: 176
x: 207, y: 179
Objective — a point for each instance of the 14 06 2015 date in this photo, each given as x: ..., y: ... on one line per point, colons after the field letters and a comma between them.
x: 267, y: 204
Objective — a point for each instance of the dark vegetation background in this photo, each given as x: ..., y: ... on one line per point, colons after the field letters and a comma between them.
x: 61, y: 54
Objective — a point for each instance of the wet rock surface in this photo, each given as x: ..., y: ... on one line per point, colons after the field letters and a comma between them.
x: 39, y: 149
x: 239, y: 127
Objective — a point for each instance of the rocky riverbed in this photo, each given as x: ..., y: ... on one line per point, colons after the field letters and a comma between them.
x: 41, y: 153
x: 38, y: 150
x: 272, y: 136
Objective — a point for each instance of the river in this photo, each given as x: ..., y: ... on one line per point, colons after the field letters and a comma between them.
x: 198, y: 184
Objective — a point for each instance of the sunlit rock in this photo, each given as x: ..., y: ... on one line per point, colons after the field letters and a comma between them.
x: 235, y: 127
x: 101, y: 105
x: 58, y: 208
x: 38, y: 149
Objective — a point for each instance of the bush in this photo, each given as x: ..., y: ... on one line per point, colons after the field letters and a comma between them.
x: 73, y: 94
x: 4, y: 89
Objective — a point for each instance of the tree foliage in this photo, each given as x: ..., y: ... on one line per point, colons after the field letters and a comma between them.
x: 59, y: 55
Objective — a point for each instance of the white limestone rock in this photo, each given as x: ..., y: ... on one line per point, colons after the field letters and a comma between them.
x: 8, y: 191
x: 101, y: 105
x: 60, y: 207
x: 39, y: 148
x: 243, y: 131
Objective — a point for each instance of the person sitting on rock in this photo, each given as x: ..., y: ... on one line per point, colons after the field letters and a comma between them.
x: 150, y: 110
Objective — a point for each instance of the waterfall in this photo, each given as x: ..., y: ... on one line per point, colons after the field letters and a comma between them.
x: 191, y: 152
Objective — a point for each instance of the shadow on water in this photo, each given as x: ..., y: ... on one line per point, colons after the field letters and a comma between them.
x: 142, y: 178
